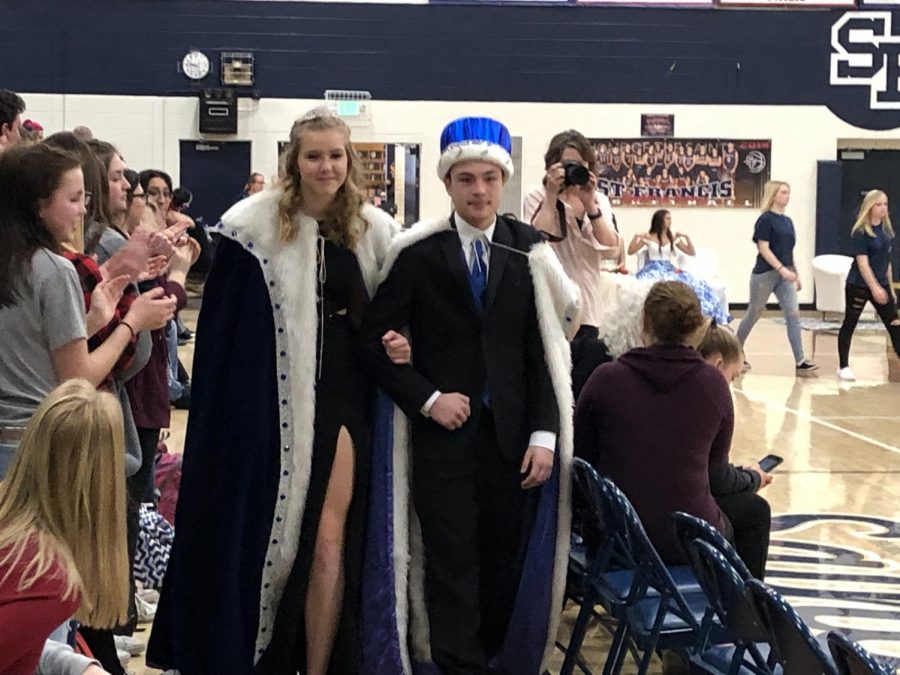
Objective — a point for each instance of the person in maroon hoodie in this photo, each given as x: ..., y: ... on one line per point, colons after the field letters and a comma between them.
x: 655, y: 420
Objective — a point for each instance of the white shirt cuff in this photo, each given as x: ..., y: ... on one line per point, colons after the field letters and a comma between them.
x: 543, y: 439
x: 426, y: 409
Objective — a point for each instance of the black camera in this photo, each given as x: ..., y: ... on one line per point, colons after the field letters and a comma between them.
x: 576, y: 174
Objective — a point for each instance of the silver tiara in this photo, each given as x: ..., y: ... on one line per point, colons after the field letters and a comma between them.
x: 316, y: 113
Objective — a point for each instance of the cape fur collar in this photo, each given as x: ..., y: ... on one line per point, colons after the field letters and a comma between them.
x: 563, y: 298
x: 253, y: 222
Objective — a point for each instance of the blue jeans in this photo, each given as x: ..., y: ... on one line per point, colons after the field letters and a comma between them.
x: 761, y: 287
x: 7, y: 453
x: 175, y: 386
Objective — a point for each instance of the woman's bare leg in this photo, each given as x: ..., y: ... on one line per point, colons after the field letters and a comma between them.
x: 325, y: 595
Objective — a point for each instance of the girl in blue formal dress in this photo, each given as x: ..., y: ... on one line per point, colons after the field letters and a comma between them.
x: 660, y: 244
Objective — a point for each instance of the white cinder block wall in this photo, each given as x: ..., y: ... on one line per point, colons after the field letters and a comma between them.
x: 147, y: 130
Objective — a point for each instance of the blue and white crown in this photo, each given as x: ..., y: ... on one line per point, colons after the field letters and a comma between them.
x: 479, y: 138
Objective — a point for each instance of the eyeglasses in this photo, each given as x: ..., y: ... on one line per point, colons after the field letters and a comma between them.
x: 131, y: 196
x: 156, y: 192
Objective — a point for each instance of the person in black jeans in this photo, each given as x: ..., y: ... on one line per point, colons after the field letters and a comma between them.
x: 870, y: 276
x: 736, y: 488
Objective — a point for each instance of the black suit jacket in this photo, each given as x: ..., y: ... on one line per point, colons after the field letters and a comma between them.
x: 456, y: 348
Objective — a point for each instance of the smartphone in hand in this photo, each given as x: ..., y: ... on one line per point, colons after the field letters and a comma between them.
x: 769, y: 462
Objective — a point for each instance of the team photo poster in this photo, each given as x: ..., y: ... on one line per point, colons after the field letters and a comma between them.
x: 682, y: 172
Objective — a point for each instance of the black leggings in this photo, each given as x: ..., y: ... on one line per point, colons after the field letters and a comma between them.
x: 103, y: 646
x: 588, y: 352
x: 142, y: 485
x: 856, y: 298
x: 102, y: 641
x: 750, y: 517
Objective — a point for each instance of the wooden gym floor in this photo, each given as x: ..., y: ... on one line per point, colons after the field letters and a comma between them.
x: 835, y: 549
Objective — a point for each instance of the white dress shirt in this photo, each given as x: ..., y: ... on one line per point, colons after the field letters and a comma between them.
x: 468, y: 235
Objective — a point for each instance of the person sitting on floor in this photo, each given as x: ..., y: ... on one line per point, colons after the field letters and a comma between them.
x: 62, y: 524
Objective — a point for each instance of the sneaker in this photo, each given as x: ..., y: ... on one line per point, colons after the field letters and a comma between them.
x: 806, y: 367
x: 746, y: 367
x: 146, y: 611
x: 148, y: 595
x: 123, y: 656
x: 846, y: 375
x: 130, y: 644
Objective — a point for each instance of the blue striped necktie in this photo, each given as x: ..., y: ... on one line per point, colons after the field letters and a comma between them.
x: 478, y: 273
x: 478, y: 283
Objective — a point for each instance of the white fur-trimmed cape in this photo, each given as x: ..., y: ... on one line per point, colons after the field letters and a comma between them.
x: 290, y: 272
x: 556, y: 298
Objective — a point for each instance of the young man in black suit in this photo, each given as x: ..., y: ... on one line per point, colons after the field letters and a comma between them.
x: 483, y: 399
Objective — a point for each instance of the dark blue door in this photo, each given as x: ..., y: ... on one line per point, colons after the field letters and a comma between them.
x: 216, y: 172
x: 831, y: 230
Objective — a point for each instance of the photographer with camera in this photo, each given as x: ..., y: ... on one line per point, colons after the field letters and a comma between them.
x: 578, y: 221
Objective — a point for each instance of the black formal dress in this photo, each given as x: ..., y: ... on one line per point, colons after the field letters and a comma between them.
x: 343, y: 399
x: 276, y: 376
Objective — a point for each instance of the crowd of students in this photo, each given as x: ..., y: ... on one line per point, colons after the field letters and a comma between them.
x: 91, y: 276
x: 306, y: 494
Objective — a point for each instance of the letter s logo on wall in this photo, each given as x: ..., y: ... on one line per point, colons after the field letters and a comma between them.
x: 865, y: 61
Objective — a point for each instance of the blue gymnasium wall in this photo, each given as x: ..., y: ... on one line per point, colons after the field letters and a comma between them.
x: 423, y: 52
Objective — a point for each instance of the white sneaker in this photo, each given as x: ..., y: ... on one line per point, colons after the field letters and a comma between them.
x: 124, y: 657
x: 130, y: 644
x: 146, y: 611
x: 148, y: 595
x: 846, y: 375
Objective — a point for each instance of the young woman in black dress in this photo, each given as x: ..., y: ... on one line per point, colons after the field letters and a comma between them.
x: 266, y: 562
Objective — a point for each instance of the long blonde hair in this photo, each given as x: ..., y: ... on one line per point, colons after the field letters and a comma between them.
x: 65, y: 496
x: 862, y: 220
x: 769, y: 191
x: 342, y: 224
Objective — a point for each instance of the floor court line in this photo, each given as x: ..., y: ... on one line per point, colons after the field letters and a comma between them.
x: 820, y: 421
x: 858, y: 417
x: 837, y: 473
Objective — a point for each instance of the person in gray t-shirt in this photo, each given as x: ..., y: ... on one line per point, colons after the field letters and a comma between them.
x: 42, y: 312
x: 48, y: 315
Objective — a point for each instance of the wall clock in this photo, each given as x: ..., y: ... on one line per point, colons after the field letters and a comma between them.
x: 195, y: 65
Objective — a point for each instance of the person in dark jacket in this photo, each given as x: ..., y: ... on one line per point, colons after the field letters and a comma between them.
x: 736, y: 488
x: 481, y: 395
x: 659, y: 418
